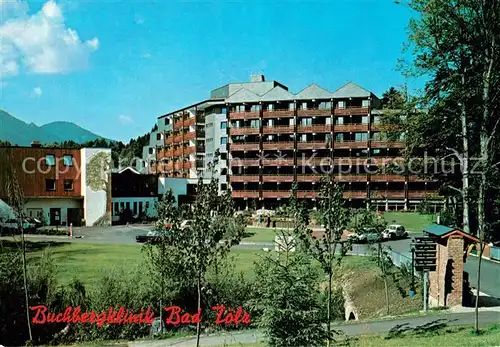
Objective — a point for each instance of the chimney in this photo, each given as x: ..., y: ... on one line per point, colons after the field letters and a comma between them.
x: 36, y: 144
x: 257, y: 78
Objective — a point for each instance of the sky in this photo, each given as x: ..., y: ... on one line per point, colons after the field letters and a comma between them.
x: 113, y: 66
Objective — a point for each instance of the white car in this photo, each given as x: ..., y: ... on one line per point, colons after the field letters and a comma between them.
x: 394, y: 231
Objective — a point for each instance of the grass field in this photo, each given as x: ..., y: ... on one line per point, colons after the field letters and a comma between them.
x: 412, y: 221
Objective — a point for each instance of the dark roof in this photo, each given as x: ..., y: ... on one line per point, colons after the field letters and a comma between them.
x: 443, y: 231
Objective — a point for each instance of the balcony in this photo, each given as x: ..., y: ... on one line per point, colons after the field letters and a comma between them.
x: 178, y: 152
x: 244, y: 178
x: 244, y: 115
x: 178, y: 124
x: 278, y: 145
x: 422, y: 194
x: 245, y: 193
x: 312, y: 145
x: 277, y: 178
x: 314, y: 128
x: 387, y: 144
x: 306, y: 194
x: 277, y: 162
x: 278, y: 129
x: 183, y: 165
x: 351, y: 178
x: 316, y: 161
x: 351, y: 144
x: 275, y: 194
x: 248, y: 146
x: 355, y: 194
x: 351, y: 110
x: 189, y: 122
x: 244, y: 162
x: 278, y: 114
x: 189, y: 150
x: 308, y: 178
x: 244, y: 131
x: 345, y: 128
x: 169, y: 140
x: 178, y: 138
x: 419, y: 179
x: 351, y: 161
x: 314, y: 112
x: 387, y: 194
x: 190, y: 136
x: 387, y: 178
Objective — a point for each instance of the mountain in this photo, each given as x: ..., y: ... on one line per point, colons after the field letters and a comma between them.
x: 20, y: 133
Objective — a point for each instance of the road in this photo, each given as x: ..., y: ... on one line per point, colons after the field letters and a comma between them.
x: 425, y: 323
x: 490, y: 271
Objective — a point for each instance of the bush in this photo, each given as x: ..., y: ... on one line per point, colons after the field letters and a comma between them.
x: 50, y: 231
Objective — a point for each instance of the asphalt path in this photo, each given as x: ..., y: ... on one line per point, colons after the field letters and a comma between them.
x: 490, y: 271
x: 415, y: 324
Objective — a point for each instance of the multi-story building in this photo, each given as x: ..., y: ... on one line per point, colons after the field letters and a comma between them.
x: 59, y: 185
x: 274, y: 138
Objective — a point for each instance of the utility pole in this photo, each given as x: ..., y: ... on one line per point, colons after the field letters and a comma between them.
x: 426, y: 276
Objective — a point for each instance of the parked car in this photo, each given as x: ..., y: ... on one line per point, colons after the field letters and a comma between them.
x: 365, y: 235
x: 394, y: 231
x: 153, y: 235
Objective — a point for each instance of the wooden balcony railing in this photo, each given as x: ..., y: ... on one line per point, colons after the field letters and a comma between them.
x: 244, y: 115
x: 308, y: 178
x: 314, y: 112
x: 277, y: 178
x: 339, y: 128
x: 312, y: 145
x: 351, y: 144
x: 169, y: 140
x: 351, y: 110
x: 278, y: 129
x: 387, y: 194
x: 278, y: 114
x: 277, y: 162
x: 248, y: 146
x: 244, y: 162
x: 278, y: 145
x: 244, y: 178
x: 314, y: 128
x: 178, y: 124
x: 270, y: 194
x: 316, y: 161
x: 421, y: 194
x: 244, y: 131
x: 387, y: 178
x: 351, y: 161
x: 178, y: 138
x: 387, y: 144
x: 178, y: 152
x: 190, y: 136
x: 189, y: 150
x: 351, y: 178
x: 306, y: 194
x: 355, y: 194
x: 245, y: 193
x: 189, y: 122
x: 414, y: 178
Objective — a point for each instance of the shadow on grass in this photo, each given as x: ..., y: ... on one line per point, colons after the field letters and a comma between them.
x: 11, y: 246
x: 247, y: 234
x: 428, y: 329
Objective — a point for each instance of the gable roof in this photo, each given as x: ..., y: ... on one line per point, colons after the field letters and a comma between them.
x: 351, y: 90
x: 443, y: 231
x: 313, y: 91
x: 243, y: 95
x: 277, y: 93
x: 129, y: 168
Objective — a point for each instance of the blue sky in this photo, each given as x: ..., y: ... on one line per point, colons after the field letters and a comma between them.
x: 113, y: 67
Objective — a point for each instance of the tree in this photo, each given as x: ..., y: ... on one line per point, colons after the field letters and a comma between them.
x: 288, y: 297
x: 98, y: 176
x: 329, y: 249
x: 17, y: 203
x: 457, y: 44
x: 393, y: 99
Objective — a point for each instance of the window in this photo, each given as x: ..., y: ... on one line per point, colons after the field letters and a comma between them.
x: 127, y: 205
x: 224, y: 110
x: 68, y: 185
x: 135, y: 207
x: 50, y: 185
x: 364, y: 120
x: 150, y: 150
x: 340, y: 120
x: 116, y: 209
x: 341, y: 104
x: 365, y: 103
x: 223, y: 186
x: 147, y: 205
x: 68, y: 160
x: 223, y: 125
x: 223, y: 156
x: 167, y: 121
x: 158, y: 137
x: 376, y: 119
x: 223, y: 171
x: 361, y: 136
x: 223, y: 140
x: 50, y: 160
x: 140, y: 207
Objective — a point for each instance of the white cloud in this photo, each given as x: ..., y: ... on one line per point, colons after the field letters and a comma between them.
x: 37, y: 92
x: 146, y: 56
x: 124, y: 119
x: 139, y: 20
x: 42, y: 43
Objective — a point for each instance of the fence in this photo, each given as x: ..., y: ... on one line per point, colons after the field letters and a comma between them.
x: 400, y: 259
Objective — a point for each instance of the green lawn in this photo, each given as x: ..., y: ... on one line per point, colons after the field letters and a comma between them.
x: 256, y: 234
x: 412, y: 221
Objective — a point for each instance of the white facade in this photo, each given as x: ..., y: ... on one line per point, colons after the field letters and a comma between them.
x: 95, y: 201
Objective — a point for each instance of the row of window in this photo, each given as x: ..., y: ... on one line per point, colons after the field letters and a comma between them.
x: 301, y: 106
x: 50, y: 160
x: 137, y: 207
x: 51, y: 184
